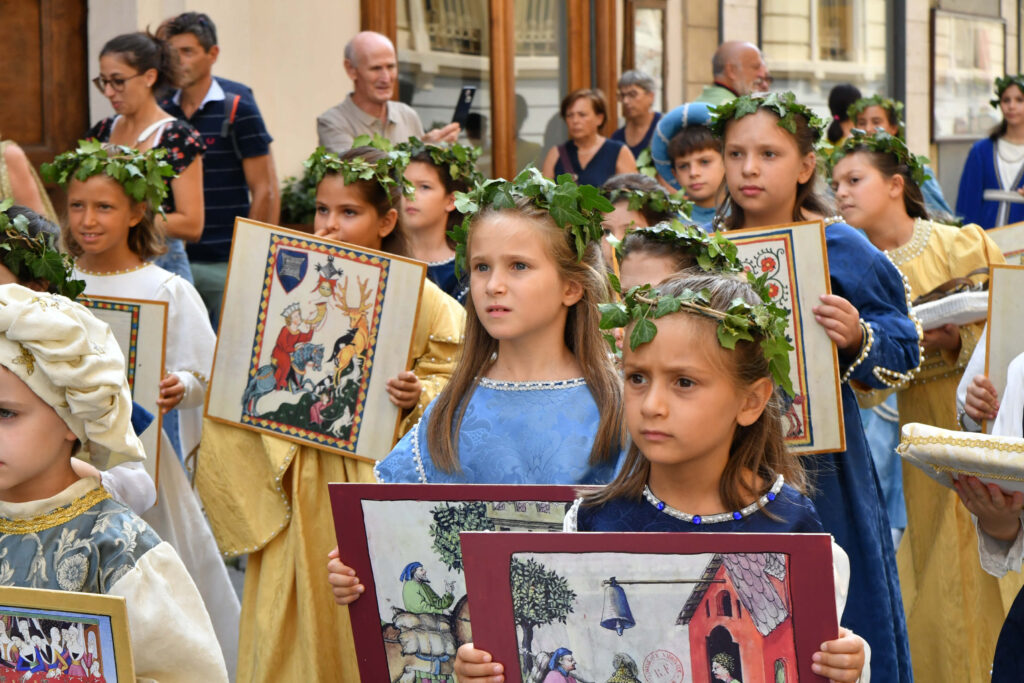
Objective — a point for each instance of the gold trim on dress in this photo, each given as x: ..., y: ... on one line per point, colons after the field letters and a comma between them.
x: 53, y: 518
x: 915, y: 247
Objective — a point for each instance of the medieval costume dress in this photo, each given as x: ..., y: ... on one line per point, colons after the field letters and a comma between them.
x: 511, y: 433
x: 268, y: 497
x: 442, y: 274
x: 951, y: 639
x: 991, y: 166
x: 82, y: 540
x: 177, y: 516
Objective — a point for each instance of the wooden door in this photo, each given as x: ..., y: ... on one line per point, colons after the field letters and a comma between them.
x: 43, y: 98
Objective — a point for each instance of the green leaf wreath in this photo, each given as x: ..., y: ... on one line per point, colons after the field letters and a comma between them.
x: 143, y: 175
x: 656, y: 200
x: 783, y: 104
x: 882, y: 142
x: 894, y: 108
x: 1004, y: 82
x: 739, y: 322
x: 35, y: 257
x: 578, y: 209
x: 460, y: 160
x: 388, y: 172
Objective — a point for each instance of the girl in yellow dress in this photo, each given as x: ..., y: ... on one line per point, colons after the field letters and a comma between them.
x: 268, y: 497
x: 951, y: 604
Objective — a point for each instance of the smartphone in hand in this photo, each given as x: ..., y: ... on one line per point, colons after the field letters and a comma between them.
x: 466, y: 96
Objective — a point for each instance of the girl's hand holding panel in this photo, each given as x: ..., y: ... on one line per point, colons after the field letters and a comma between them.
x: 344, y: 582
x: 840, y: 660
x: 475, y: 666
x: 841, y: 321
x: 404, y: 390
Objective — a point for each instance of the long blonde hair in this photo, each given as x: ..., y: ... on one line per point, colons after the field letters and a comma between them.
x: 582, y: 337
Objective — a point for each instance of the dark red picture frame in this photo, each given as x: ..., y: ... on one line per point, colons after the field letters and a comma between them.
x: 353, y: 546
x: 488, y: 558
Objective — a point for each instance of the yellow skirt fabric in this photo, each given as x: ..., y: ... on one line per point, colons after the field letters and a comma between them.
x: 274, y: 505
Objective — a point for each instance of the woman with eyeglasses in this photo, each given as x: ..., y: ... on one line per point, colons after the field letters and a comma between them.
x: 134, y: 68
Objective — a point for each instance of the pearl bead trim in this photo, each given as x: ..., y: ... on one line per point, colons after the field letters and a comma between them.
x: 721, y: 516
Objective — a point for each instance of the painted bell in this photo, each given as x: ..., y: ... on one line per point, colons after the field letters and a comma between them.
x: 616, y: 615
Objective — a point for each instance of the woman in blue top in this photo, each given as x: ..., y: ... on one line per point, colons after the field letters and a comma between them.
x: 590, y: 157
x: 768, y: 142
x: 996, y: 162
x: 706, y: 434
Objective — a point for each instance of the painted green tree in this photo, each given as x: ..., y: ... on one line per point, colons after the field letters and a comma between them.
x: 539, y: 596
x: 449, y: 520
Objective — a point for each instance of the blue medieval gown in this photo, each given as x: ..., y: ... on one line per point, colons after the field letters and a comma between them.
x: 511, y: 433
x: 981, y: 172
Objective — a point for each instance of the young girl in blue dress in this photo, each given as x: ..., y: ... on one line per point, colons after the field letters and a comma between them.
x: 436, y: 173
x: 771, y: 171
x: 535, y: 399
x: 706, y: 437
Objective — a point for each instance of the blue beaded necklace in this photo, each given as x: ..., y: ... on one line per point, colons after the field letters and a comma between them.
x: 721, y: 516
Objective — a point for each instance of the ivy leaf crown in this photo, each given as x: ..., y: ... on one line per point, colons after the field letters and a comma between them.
x: 893, y: 109
x: 740, y: 321
x: 713, y: 251
x: 882, y: 142
x: 577, y: 209
x: 459, y: 160
x: 143, y: 175
x: 24, y: 253
x: 388, y: 171
x: 656, y: 200
x: 782, y: 104
x: 1004, y: 82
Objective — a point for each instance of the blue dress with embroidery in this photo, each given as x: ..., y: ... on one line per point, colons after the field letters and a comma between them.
x: 442, y: 274
x: 846, y: 491
x: 795, y: 513
x: 511, y: 433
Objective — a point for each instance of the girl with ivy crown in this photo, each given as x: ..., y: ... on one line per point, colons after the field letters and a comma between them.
x: 877, y: 182
x: 877, y: 112
x: 436, y: 173
x: 996, y: 162
x: 638, y: 201
x: 358, y: 195
x: 769, y: 147
x: 113, y: 193
x: 704, y: 356
x: 535, y: 398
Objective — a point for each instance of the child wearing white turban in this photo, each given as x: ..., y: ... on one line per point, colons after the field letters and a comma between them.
x: 63, y: 392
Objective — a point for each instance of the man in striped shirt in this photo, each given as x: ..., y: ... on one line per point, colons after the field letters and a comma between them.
x: 239, y: 178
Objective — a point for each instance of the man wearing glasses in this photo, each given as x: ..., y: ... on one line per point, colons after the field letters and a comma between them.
x: 239, y: 177
x: 636, y: 93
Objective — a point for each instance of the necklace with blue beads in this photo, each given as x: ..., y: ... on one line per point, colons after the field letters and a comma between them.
x: 721, y: 516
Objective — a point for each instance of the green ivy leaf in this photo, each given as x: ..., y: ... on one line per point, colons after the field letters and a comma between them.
x: 613, y: 315
x: 643, y: 332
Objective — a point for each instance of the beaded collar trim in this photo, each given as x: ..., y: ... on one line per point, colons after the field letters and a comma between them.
x: 721, y: 516
x: 532, y: 386
x: 61, y: 515
x: 915, y: 246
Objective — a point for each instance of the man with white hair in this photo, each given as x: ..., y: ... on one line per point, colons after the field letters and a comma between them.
x: 739, y: 69
x: 372, y: 64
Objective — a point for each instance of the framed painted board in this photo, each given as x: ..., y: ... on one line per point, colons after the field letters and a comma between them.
x: 1004, y: 337
x: 662, y: 608
x: 795, y: 261
x: 93, y: 631
x: 140, y: 328
x: 310, y: 332
x: 1010, y: 240
x: 403, y: 542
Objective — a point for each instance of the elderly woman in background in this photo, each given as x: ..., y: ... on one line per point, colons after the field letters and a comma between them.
x: 636, y: 93
x: 589, y: 156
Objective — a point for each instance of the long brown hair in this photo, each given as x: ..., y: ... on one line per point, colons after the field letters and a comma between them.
x: 808, y: 198
x: 582, y: 337
x: 759, y: 447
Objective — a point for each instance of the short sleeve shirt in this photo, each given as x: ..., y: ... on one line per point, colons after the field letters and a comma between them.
x: 344, y: 122
x: 225, y: 190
